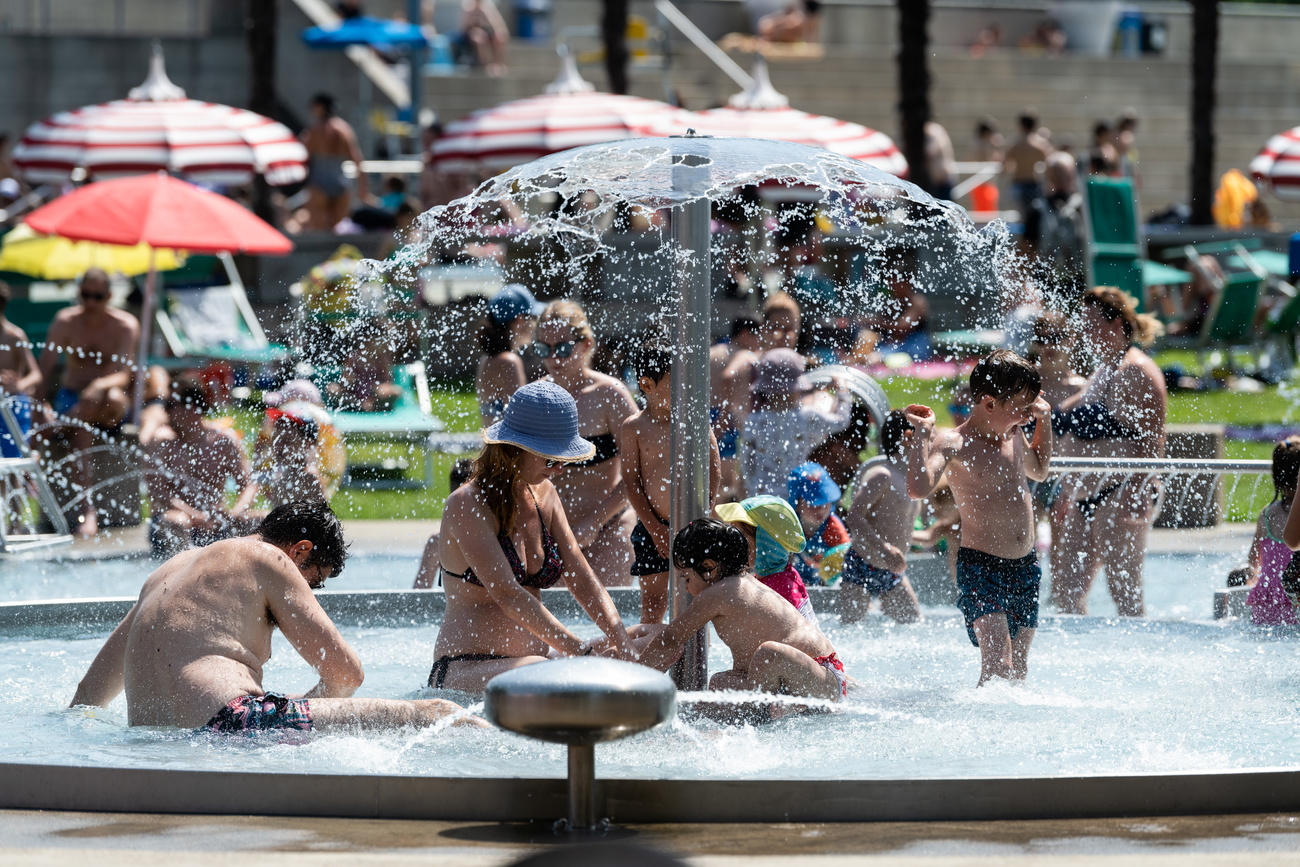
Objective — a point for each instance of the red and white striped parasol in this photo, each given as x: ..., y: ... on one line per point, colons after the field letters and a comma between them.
x: 762, y: 112
x: 568, y: 115
x: 1278, y: 164
x: 158, y: 129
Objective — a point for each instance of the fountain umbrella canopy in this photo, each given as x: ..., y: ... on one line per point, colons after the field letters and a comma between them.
x: 158, y: 128
x: 571, y: 197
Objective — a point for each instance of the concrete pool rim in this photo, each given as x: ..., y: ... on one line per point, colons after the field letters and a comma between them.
x: 628, y: 801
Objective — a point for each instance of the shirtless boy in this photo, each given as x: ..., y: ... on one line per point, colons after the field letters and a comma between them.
x: 190, y: 651
x: 987, y: 460
x: 880, y: 521
x: 20, y: 378
x: 774, y: 649
x: 189, y: 462
x: 644, y: 440
x: 97, y: 344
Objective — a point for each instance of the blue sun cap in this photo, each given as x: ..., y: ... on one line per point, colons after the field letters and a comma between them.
x: 542, y: 418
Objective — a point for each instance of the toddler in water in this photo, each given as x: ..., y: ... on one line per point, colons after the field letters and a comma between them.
x: 772, y: 531
x: 814, y: 495
x: 773, y: 649
x: 1269, y: 555
x: 988, y: 462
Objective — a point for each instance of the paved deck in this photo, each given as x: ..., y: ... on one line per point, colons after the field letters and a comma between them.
x: 134, y: 840
x: 408, y: 538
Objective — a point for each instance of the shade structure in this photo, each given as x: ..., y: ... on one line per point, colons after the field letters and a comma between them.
x: 762, y: 112
x: 158, y: 128
x: 570, y: 114
x: 366, y: 30
x: 1278, y: 164
x: 160, y: 211
x: 51, y: 257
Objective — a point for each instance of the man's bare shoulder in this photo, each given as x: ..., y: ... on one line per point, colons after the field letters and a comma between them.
x: 122, y: 318
x: 12, y: 332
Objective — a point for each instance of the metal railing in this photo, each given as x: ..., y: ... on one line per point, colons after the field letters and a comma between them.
x: 1158, y: 466
x: 687, y: 28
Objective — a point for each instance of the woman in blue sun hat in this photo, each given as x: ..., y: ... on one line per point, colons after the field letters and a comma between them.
x: 505, y: 538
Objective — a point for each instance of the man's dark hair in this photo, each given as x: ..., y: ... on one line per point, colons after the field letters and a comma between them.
x: 326, y: 102
x: 1101, y: 127
x: 460, y: 473
x: 1029, y: 120
x: 5, y: 294
x: 741, y: 324
x: 891, y: 433
x: 986, y: 125
x: 313, y: 521
x: 653, y: 359
x: 190, y: 391
x: 1002, y: 374
x: 711, y: 539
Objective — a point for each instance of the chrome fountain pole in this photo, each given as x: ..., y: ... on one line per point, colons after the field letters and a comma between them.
x: 689, y: 442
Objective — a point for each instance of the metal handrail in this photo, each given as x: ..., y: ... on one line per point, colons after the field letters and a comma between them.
x: 1176, y: 466
x: 687, y: 28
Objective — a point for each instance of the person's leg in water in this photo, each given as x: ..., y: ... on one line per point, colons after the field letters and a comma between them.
x: 610, y: 554
x: 901, y: 603
x: 996, y: 659
x: 780, y: 669
x: 96, y: 406
x: 654, y: 597
x: 1074, y: 561
x: 855, y: 602
x: 385, y: 713
x: 1120, y: 544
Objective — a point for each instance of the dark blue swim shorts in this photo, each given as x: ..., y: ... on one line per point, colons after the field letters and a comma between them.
x: 872, y: 579
x: 989, y: 584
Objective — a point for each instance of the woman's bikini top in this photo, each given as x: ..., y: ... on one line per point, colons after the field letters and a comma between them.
x: 544, y: 578
x: 606, y: 448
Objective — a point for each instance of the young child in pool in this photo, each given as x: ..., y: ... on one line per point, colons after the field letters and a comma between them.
x: 772, y: 531
x: 814, y: 495
x: 773, y: 649
x: 988, y: 460
x: 644, y: 444
x: 880, y: 521
x: 1269, y: 555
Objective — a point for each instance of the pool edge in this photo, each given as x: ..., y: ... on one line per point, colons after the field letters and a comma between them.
x: 151, y: 790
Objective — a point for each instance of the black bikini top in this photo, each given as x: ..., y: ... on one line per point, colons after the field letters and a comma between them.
x: 543, y: 578
x: 606, y: 448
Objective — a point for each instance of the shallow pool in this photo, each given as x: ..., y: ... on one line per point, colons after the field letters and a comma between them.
x: 1104, y: 696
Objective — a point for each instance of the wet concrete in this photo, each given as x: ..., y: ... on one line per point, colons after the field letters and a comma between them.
x: 45, y: 838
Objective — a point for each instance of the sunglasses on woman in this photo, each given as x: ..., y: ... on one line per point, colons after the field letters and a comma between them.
x: 556, y: 350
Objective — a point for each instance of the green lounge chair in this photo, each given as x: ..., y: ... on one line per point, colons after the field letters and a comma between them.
x: 1113, y: 247
x: 212, y: 322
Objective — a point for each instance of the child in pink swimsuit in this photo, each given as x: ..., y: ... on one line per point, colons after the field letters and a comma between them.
x: 1269, y: 555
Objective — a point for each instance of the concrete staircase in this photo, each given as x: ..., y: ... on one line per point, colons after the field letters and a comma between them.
x: 1257, y: 97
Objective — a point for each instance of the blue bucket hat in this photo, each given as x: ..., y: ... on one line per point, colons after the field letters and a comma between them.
x: 811, y: 483
x: 514, y: 300
x: 542, y: 418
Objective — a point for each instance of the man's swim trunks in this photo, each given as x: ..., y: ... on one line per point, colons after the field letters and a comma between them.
x: 65, y: 400
x: 257, y: 713
x: 835, y: 668
x: 872, y: 579
x: 989, y: 584
x: 648, y: 559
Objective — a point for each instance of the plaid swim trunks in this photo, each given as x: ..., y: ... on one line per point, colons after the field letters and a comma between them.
x: 254, y: 713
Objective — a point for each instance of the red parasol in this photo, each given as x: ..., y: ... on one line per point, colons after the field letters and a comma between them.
x: 163, y: 212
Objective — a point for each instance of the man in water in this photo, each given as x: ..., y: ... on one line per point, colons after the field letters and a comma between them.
x: 190, y: 651
x: 97, y: 344
x: 330, y: 142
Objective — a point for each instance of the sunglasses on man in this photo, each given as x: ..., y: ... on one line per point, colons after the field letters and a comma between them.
x: 554, y: 350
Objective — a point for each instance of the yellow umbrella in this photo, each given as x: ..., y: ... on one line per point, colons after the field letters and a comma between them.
x: 51, y: 257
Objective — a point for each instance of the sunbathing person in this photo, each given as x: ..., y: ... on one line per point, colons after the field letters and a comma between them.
x: 189, y: 461
x: 773, y: 647
x: 190, y: 651
x: 97, y: 345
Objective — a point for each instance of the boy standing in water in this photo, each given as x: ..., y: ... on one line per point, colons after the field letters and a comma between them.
x: 880, y: 521
x: 987, y: 459
x: 644, y: 442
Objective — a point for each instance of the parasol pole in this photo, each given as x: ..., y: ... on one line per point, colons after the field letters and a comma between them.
x: 146, y: 320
